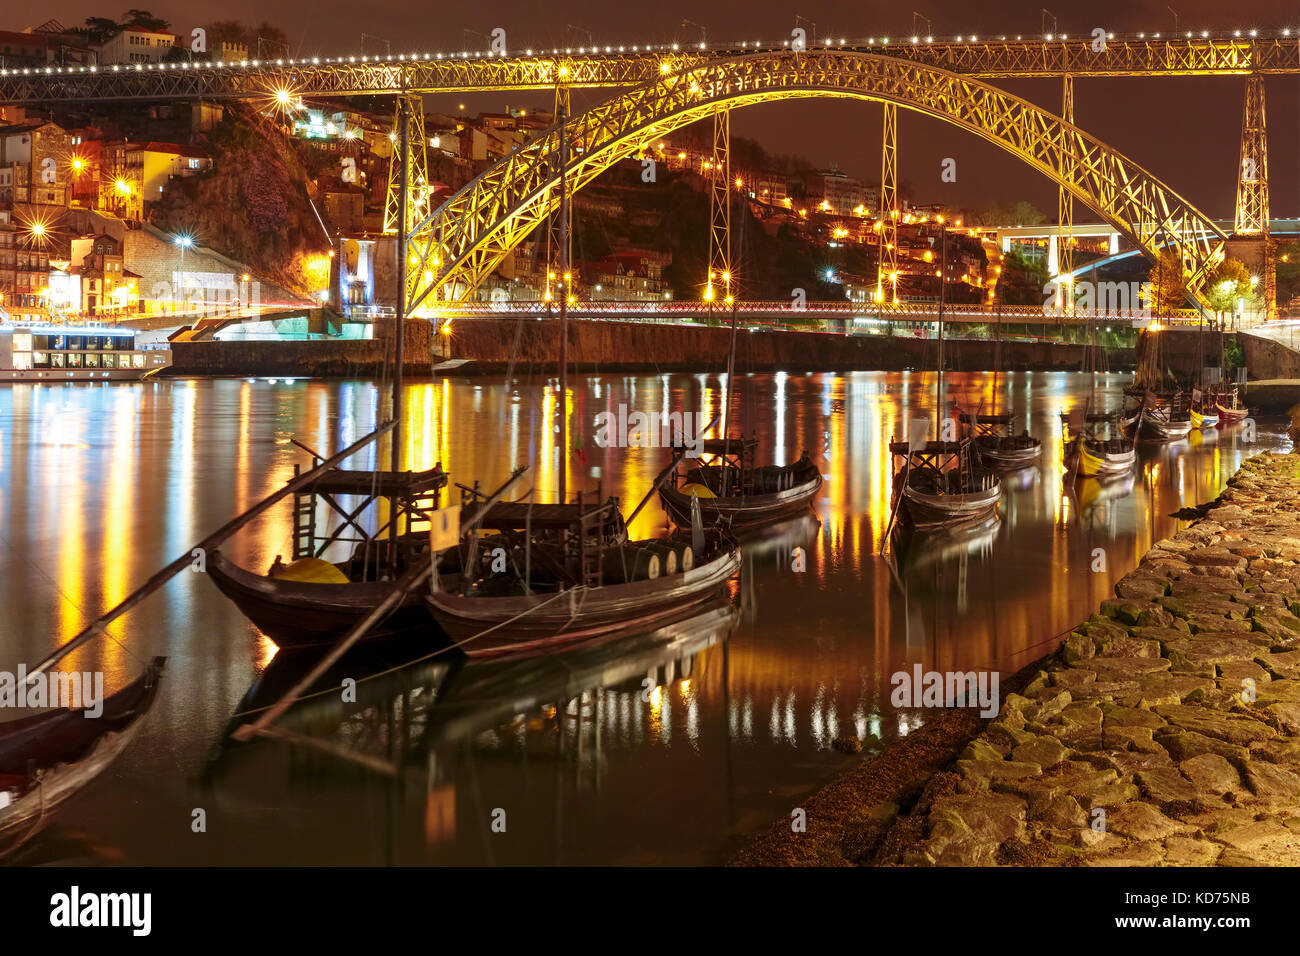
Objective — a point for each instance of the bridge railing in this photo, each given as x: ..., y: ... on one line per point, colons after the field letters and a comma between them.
x: 797, y: 316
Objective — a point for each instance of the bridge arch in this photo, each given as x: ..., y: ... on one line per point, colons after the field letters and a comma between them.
x: 458, y: 245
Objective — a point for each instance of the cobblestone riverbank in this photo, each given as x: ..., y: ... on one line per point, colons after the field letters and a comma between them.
x: 1165, y: 731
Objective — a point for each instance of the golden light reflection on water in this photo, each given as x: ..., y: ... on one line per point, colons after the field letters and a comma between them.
x: 102, y: 486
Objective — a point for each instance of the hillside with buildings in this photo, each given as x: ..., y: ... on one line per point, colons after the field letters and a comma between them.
x: 288, y: 196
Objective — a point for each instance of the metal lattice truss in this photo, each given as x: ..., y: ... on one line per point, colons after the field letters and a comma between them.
x: 470, y: 234
x: 1065, y: 202
x: 1251, y: 216
x: 887, y: 222
x: 409, y: 109
x: 720, y: 287
x: 434, y: 73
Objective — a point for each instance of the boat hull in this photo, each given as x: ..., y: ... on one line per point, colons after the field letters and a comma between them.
x: 538, y: 623
x: 1105, y: 464
x: 69, y: 751
x: 740, y: 512
x: 927, y: 512
x: 302, y: 614
x: 1202, y: 420
x: 1154, y: 429
x: 1230, y: 416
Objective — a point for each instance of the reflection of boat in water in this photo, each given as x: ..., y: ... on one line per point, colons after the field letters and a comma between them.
x: 1093, y: 490
x: 735, y: 492
x: 944, y: 544
x: 1021, y: 479
x: 438, y: 701
x: 488, y: 693
x: 48, y: 758
x: 797, y: 532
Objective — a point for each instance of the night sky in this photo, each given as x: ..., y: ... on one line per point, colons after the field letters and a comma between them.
x: 1184, y: 130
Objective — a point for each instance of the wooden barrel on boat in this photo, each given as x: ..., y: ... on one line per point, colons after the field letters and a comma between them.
x: 669, y: 555
x: 626, y: 563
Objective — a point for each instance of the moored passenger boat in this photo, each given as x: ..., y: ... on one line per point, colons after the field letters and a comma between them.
x: 66, y: 353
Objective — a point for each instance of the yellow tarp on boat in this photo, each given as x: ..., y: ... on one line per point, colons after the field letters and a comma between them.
x: 312, y: 571
x: 697, y: 489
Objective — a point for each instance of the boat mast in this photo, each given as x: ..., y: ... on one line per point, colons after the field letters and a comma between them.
x: 943, y: 282
x: 562, y: 118
x: 726, y: 402
x: 403, y: 118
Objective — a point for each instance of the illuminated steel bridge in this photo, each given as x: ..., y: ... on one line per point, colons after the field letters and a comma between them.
x: 813, y: 315
x: 452, y: 249
x: 628, y: 65
x: 465, y: 239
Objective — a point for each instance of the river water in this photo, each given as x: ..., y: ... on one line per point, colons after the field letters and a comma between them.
x: 668, y: 748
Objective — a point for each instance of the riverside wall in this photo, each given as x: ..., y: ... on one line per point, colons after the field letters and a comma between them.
x: 314, y: 358
x: 531, y: 346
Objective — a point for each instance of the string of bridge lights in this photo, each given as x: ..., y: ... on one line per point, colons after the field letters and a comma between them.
x: 597, y: 50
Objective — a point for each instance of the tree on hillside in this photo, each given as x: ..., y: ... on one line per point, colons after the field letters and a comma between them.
x: 274, y: 40
x: 1021, y: 281
x: 143, y: 19
x: 1225, y: 284
x: 1288, y: 272
x: 1019, y: 213
x: 99, y: 29
x: 1168, y: 284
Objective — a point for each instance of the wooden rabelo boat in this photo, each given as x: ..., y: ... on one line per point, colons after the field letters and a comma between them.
x: 313, y: 601
x: 995, y: 444
x: 1229, y: 407
x: 733, y: 491
x: 1099, y: 449
x: 48, y: 758
x: 939, y: 485
x: 558, y: 578
x: 1166, y: 419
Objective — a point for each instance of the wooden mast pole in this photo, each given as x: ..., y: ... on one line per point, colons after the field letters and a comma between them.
x: 565, y: 273
x: 404, y: 184
x: 943, y: 282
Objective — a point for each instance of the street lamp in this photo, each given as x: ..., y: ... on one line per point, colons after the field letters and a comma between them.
x: 184, y: 241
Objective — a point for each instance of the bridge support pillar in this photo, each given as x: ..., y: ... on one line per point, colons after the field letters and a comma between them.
x: 1064, y: 259
x: 408, y: 110
x: 887, y: 240
x: 1251, y: 219
x: 556, y: 256
x: 720, y: 286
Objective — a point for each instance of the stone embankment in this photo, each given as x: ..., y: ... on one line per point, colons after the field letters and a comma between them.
x: 1167, y: 728
x: 1165, y: 731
